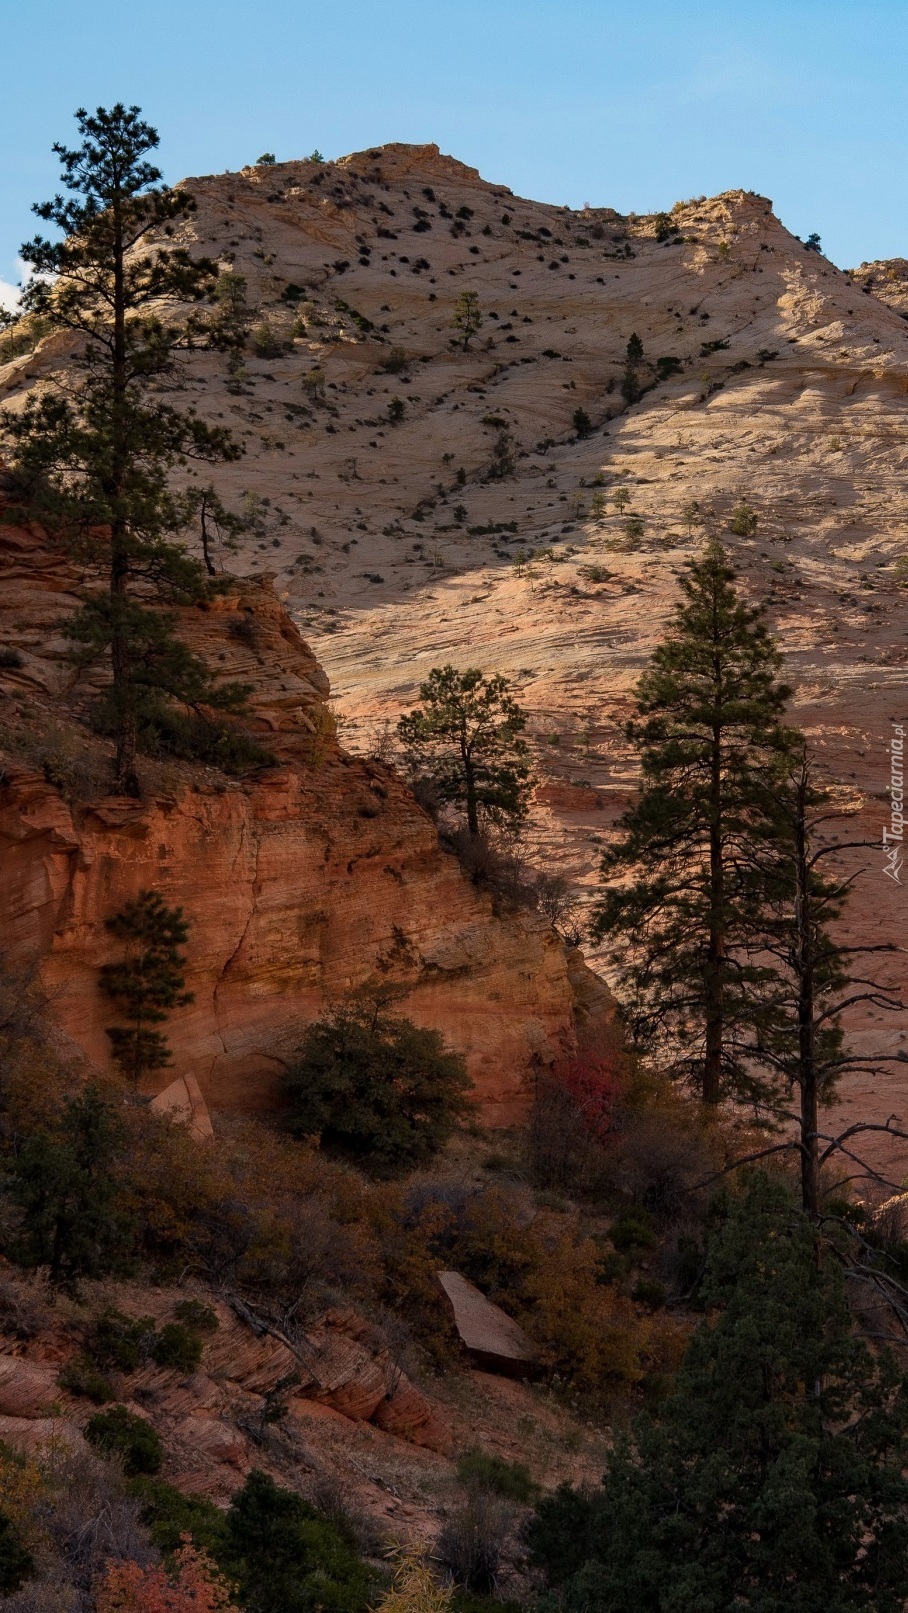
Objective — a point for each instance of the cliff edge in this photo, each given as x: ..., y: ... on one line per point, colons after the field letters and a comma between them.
x: 301, y: 882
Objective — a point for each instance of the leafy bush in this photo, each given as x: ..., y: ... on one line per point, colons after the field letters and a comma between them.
x: 197, y: 739
x: 479, y: 1470
x: 265, y: 343
x: 16, y: 1561
x: 743, y: 521
x: 376, y: 1087
x: 177, y: 1347
x: 284, y: 1558
x: 633, y: 1230
x: 170, y: 1515
x: 10, y: 658
x: 122, y: 1342
x: 81, y: 1377
x: 196, y: 1315
x: 189, y: 1584
x: 394, y: 361
x: 119, y: 1432
x: 472, y: 1540
x: 650, y: 1292
x: 569, y: 1123
x: 581, y: 422
x: 62, y: 1181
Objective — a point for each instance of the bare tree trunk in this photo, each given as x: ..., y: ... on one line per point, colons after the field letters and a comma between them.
x: 126, y: 735
x: 715, y: 1027
x: 805, y: 961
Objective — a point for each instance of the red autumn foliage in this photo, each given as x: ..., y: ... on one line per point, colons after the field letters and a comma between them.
x: 194, y: 1586
x: 591, y: 1086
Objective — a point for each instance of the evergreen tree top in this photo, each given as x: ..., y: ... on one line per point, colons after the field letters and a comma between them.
x: 117, y: 200
x: 719, y: 659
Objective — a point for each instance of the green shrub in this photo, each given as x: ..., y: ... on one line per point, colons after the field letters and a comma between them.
x: 193, y: 1314
x: 195, y: 739
x: 613, y: 1267
x: 168, y: 1515
x: 120, y: 1432
x: 178, y: 1347
x: 581, y: 422
x: 63, y: 1182
x: 265, y: 344
x: 284, y: 1558
x: 392, y: 363
x: 118, y: 1341
x: 632, y: 1230
x: 10, y: 659
x: 16, y: 1561
x: 743, y: 521
x: 481, y: 1471
x: 81, y: 1377
x: 649, y: 1291
x: 396, y: 409
x: 282, y: 1555
x: 376, y: 1087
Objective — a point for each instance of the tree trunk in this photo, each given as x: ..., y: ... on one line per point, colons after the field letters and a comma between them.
x: 715, y: 1027
x: 472, y: 809
x: 206, y: 555
x: 469, y: 779
x: 807, y: 1063
x: 126, y: 735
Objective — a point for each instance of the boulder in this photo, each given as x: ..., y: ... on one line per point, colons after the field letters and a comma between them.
x: 493, y: 1340
x: 183, y: 1101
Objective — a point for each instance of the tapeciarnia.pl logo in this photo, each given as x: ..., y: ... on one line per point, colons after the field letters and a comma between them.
x: 894, y: 835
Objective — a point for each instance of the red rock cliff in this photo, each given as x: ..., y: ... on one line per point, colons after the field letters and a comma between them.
x: 306, y: 880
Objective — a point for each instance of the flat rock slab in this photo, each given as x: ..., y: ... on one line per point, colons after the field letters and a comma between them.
x: 494, y: 1340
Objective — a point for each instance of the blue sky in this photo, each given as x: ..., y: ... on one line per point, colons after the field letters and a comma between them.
x: 629, y: 105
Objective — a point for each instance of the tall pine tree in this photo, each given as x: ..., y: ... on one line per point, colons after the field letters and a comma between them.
x: 466, y: 741
x: 94, y: 453
x: 774, y: 1479
x: 687, y: 921
x: 798, y: 1038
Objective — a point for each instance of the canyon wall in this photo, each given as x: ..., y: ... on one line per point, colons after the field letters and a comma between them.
x: 310, y: 878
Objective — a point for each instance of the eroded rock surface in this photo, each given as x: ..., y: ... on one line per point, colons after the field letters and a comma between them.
x: 314, y: 876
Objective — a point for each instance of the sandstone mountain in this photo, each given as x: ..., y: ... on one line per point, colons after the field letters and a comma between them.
x: 416, y: 501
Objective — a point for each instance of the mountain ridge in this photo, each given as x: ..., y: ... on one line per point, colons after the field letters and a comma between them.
x: 398, y: 546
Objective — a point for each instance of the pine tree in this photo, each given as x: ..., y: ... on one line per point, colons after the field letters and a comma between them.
x: 64, y: 1184
x: 94, y: 453
x: 466, y: 741
x: 376, y: 1086
x: 467, y: 317
x: 633, y: 358
x: 147, y: 983
x: 800, y: 1040
x: 775, y: 1478
x: 688, y: 923
x: 219, y: 529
